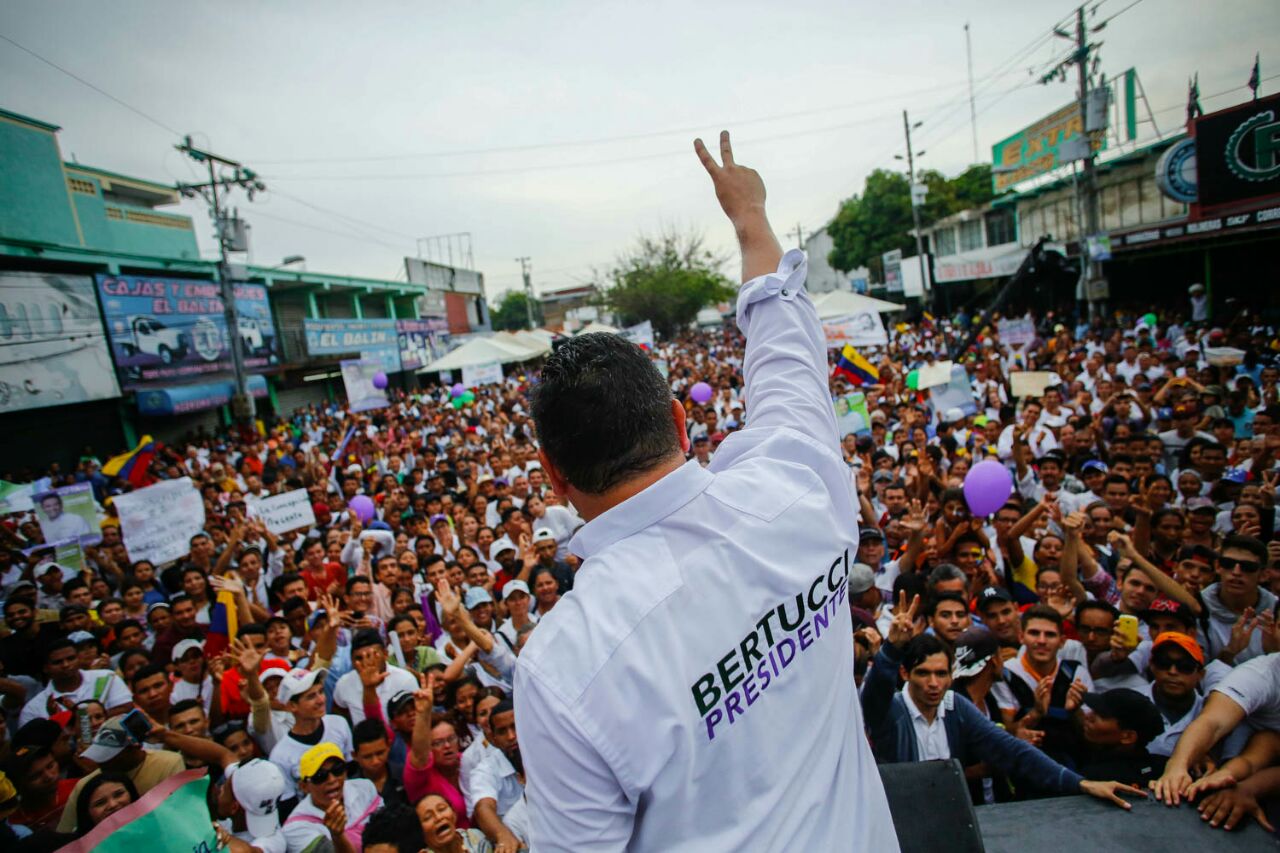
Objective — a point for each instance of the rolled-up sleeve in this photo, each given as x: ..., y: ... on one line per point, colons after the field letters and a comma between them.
x: 785, y: 366
x: 576, y: 803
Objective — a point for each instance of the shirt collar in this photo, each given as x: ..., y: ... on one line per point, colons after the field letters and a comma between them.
x: 639, y: 511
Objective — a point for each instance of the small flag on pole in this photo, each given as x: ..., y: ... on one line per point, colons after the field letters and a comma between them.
x: 853, y: 366
x: 1193, y: 98
x: 1255, y: 77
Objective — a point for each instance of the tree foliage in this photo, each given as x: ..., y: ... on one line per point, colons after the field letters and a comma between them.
x: 667, y: 280
x: 879, y: 219
x: 512, y: 313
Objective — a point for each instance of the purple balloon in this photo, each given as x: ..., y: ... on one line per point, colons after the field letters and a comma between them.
x: 458, y: 389
x: 379, y: 380
x: 701, y: 392
x: 986, y: 487
x: 363, y: 507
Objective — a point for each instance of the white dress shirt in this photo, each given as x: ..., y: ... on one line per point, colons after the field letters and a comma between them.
x: 931, y: 737
x: 694, y: 691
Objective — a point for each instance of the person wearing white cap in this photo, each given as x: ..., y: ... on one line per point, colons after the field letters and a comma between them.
x: 257, y: 786
x: 516, y: 595
x: 544, y: 545
x: 562, y: 521
x: 500, y: 658
x: 301, y: 692
x: 733, y: 576
x: 194, y: 681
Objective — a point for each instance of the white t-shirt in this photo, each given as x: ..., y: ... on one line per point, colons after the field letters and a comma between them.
x: 100, y: 684
x: 306, y: 823
x: 1255, y: 686
x: 288, y: 752
x: 184, y: 689
x: 750, y: 553
x: 348, y: 693
x: 281, y: 722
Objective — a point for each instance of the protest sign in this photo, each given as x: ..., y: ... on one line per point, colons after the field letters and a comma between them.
x: 956, y: 394
x: 851, y: 414
x: 934, y: 374
x: 167, y: 811
x: 357, y: 377
x: 475, y: 375
x: 640, y: 334
x: 157, y: 522
x: 68, y: 513
x: 1020, y: 331
x: 1031, y: 383
x: 16, y: 497
x: 283, y: 513
x: 67, y: 555
x: 864, y: 329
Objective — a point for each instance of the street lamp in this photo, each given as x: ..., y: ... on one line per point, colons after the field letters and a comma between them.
x: 289, y: 260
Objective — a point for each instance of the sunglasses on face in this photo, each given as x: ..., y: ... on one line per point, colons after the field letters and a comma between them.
x: 324, y: 774
x: 1249, y: 567
x: 1186, y: 666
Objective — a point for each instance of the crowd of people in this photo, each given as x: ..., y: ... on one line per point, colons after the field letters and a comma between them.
x: 1114, y: 620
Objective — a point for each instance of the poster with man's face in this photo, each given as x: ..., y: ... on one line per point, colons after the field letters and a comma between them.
x: 68, y: 513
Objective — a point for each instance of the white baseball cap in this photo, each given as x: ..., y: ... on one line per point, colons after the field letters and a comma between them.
x: 542, y: 534
x: 514, y: 586
x: 258, y: 785
x: 298, y: 681
x: 503, y: 544
x: 185, y: 646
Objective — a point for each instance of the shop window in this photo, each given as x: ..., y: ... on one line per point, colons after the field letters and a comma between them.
x: 945, y: 238
x: 1000, y: 228
x: 971, y: 235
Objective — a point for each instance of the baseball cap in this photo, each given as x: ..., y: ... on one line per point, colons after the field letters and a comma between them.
x: 1202, y: 505
x: 1094, y: 465
x: 315, y: 757
x: 476, y: 596
x: 79, y: 637
x: 109, y: 741
x: 953, y: 415
x: 515, y: 586
x: 159, y: 605
x: 701, y: 439
x: 865, y: 533
x: 542, y: 534
x: 500, y: 545
x: 882, y: 476
x: 272, y: 668
x: 974, y: 647
x: 861, y: 578
x: 185, y: 646
x: 1236, y: 475
x: 397, y: 703
x: 1169, y: 607
x: 298, y: 681
x: 1130, y: 709
x: 992, y: 595
x: 40, y: 733
x: 257, y: 785
x: 1182, y: 641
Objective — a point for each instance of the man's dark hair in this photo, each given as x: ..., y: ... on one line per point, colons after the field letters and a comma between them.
x: 603, y: 412
x: 256, y: 628
x: 1041, y: 611
x: 1245, y: 543
x: 57, y: 645
x: 356, y: 580
x: 292, y: 604
x: 937, y: 598
x: 918, y: 650
x: 367, y: 731
x: 181, y: 707
x: 1100, y: 606
x: 148, y: 671
x: 396, y: 825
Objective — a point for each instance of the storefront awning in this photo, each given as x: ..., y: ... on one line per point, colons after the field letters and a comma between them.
x: 193, y: 398
x: 991, y: 262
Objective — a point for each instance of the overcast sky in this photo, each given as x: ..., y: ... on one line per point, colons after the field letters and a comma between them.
x: 386, y: 114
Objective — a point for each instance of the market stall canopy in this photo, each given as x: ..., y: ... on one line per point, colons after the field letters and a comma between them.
x: 503, y: 348
x: 598, y: 327
x: 842, y: 303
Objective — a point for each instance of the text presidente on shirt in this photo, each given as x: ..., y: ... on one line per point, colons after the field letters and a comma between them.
x: 746, y: 671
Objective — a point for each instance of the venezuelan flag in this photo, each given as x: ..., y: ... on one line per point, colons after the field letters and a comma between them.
x: 854, y: 367
x: 133, y: 465
x: 222, y: 624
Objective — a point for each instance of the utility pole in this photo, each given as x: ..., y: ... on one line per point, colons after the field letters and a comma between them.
x: 917, y: 199
x: 526, y: 269
x: 973, y: 115
x: 231, y: 236
x: 799, y: 232
x: 1088, y: 187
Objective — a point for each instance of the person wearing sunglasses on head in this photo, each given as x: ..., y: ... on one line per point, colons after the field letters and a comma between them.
x: 1241, y: 612
x: 332, y: 806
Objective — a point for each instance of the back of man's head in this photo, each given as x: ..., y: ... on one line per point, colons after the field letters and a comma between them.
x: 603, y: 412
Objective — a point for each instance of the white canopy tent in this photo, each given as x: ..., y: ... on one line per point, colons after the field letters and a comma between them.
x: 503, y: 348
x: 843, y: 303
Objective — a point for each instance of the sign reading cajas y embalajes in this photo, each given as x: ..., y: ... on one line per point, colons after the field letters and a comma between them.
x: 1238, y: 154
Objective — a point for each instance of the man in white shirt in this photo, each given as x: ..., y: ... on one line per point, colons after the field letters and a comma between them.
x: 56, y: 524
x: 69, y: 685
x: 495, y: 789
x: 371, y: 680
x: 752, y: 628
x: 302, y: 692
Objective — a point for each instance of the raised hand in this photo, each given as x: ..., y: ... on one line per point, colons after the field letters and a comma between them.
x: 450, y: 603
x: 739, y: 190
x: 903, y: 626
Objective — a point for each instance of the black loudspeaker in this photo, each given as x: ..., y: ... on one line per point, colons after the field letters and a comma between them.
x: 931, y: 809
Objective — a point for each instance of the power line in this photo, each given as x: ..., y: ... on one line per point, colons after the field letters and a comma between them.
x: 97, y: 89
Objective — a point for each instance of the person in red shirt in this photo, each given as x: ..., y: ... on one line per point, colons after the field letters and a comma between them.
x: 434, y: 765
x: 34, y: 771
x: 320, y: 576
